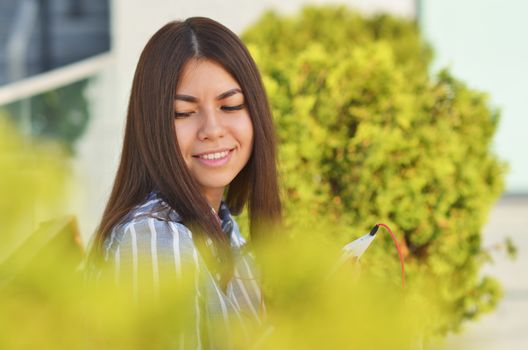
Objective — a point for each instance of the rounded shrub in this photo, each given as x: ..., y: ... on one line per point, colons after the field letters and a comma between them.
x: 367, y: 134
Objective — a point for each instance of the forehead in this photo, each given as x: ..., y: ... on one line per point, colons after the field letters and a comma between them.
x: 202, y: 76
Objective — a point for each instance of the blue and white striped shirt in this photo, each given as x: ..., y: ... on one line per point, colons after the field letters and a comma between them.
x: 152, y: 238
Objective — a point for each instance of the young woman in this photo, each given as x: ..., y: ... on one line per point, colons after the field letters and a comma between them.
x: 199, y: 145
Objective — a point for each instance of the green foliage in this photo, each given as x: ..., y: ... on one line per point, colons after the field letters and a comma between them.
x: 61, y: 115
x: 47, y: 303
x: 33, y: 179
x: 367, y: 135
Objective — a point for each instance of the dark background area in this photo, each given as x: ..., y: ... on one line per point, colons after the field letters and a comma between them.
x: 51, y: 33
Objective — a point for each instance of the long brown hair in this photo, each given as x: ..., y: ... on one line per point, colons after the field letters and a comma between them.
x: 151, y: 159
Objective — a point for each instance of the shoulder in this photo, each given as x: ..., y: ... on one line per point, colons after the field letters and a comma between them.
x: 151, y: 227
x: 149, y: 235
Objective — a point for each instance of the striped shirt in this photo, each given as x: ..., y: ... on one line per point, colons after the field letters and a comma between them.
x: 152, y: 238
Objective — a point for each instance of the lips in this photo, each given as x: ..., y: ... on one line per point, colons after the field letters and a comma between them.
x: 215, y: 159
x: 212, y: 152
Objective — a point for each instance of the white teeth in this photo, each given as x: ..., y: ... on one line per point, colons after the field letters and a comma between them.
x: 212, y: 156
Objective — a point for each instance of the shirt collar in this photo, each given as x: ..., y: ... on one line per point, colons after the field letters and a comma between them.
x: 164, y: 211
x: 226, y: 219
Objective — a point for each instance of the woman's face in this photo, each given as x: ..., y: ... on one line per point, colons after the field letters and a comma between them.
x: 213, y: 126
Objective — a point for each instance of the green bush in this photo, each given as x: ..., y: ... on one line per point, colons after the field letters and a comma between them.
x: 368, y: 135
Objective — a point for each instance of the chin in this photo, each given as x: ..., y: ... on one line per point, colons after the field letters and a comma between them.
x: 217, y: 183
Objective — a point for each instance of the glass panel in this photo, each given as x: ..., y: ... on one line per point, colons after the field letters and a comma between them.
x: 61, y: 114
x: 39, y: 35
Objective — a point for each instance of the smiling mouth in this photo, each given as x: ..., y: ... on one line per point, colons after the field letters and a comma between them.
x: 214, y: 156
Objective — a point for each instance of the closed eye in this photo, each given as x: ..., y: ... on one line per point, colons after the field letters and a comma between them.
x: 224, y: 108
x: 233, y: 108
x: 182, y: 114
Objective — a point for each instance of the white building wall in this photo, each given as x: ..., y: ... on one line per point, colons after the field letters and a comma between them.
x: 133, y: 23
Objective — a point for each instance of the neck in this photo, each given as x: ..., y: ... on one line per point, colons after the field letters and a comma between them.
x: 214, y: 197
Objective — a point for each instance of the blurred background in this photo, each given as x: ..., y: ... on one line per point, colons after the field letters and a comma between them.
x: 66, y: 68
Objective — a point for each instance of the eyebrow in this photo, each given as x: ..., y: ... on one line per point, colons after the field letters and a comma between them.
x: 222, y: 96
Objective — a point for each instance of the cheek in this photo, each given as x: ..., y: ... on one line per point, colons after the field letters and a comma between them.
x: 183, y: 139
x: 247, y: 134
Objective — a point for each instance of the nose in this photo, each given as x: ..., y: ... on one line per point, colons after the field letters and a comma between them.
x: 211, y: 127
